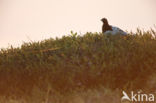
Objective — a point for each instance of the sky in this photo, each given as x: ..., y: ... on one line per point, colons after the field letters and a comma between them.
x: 35, y: 20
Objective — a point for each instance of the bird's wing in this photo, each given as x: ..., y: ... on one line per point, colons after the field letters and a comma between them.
x: 115, y: 30
x: 118, y: 30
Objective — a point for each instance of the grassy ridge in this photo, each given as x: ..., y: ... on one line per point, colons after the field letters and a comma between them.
x: 76, y: 62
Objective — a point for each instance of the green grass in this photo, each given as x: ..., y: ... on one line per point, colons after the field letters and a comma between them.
x: 79, y: 63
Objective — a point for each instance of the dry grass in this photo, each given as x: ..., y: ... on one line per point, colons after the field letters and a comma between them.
x: 93, y: 68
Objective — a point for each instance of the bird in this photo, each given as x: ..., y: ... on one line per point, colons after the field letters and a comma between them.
x: 109, y: 29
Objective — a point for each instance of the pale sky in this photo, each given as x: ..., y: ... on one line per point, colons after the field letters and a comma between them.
x: 25, y: 20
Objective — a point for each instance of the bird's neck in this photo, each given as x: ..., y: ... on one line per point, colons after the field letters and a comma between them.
x: 106, y: 24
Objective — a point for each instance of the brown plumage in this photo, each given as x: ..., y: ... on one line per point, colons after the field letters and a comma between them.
x: 105, y: 26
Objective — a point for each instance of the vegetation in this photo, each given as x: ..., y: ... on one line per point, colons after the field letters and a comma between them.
x: 79, y: 67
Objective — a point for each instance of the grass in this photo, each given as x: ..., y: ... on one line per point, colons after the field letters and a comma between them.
x: 78, y: 69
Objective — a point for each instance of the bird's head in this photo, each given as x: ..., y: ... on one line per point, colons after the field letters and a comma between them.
x: 104, y: 20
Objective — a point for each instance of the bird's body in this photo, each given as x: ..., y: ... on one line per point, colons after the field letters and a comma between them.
x: 109, y: 29
x: 115, y: 30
